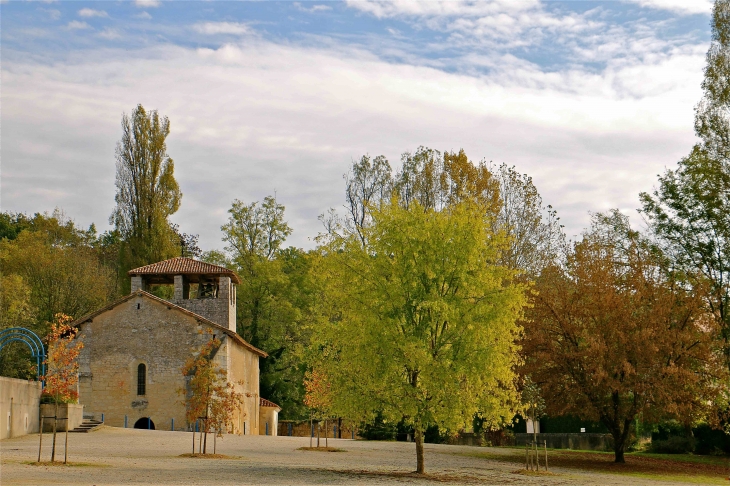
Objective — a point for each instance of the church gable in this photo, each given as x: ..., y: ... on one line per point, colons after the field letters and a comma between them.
x: 139, y: 306
x: 130, y: 368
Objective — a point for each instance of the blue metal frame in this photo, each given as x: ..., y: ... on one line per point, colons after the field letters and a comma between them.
x: 31, y: 339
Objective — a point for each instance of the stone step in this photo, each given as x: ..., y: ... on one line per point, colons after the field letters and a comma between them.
x: 88, y: 426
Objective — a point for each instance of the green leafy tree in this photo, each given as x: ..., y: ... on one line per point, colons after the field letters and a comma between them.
x: 690, y: 210
x: 612, y: 336
x: 63, y: 279
x: 50, y: 266
x: 255, y: 234
x: 421, y: 322
x: 16, y: 311
x: 436, y: 180
x: 147, y: 192
x: 274, y: 298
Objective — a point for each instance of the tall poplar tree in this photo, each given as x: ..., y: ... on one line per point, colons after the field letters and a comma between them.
x: 147, y: 192
x: 690, y: 210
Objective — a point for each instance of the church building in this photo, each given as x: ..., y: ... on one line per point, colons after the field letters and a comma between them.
x: 130, y: 368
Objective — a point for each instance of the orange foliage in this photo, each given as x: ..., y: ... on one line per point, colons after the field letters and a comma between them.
x: 61, y: 365
x: 317, y: 391
x: 208, y: 393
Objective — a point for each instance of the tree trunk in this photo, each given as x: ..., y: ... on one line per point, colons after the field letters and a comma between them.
x: 55, y: 421
x: 418, y: 433
x: 619, y: 455
x: 40, y: 441
x: 619, y: 444
x: 205, y: 438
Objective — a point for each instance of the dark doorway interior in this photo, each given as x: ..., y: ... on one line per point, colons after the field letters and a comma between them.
x: 144, y: 423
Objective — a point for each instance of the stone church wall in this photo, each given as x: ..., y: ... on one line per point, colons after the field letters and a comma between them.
x: 138, y: 330
x: 243, y: 371
x: 141, y: 330
x: 214, y: 309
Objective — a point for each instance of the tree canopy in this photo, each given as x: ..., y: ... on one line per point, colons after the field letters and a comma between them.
x: 275, y: 297
x: 147, y: 192
x: 689, y: 211
x: 612, y: 336
x: 421, y: 321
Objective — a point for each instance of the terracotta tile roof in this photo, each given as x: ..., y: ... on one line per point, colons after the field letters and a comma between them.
x: 265, y: 403
x: 141, y: 293
x: 184, y: 266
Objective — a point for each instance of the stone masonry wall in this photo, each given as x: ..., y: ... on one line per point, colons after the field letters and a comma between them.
x: 243, y: 372
x: 221, y: 310
x: 139, y: 330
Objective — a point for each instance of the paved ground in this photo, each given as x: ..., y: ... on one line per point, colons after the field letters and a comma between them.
x: 112, y: 456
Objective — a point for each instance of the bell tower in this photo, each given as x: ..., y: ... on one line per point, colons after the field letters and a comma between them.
x: 202, y: 288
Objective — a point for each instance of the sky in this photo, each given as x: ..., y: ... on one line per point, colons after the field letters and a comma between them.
x: 591, y: 99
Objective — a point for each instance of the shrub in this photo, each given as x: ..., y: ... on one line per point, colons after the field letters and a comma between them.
x: 674, y: 445
x: 72, y: 397
x: 378, y: 429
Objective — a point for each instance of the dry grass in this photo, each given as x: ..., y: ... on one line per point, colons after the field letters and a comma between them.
x: 321, y: 449
x: 664, y: 467
x: 526, y: 472
x: 61, y: 464
x: 440, y: 478
x: 208, y: 456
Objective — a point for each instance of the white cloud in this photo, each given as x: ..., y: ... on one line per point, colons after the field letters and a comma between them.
x: 494, y: 25
x: 460, y: 8
x: 52, y: 13
x: 255, y: 118
x: 677, y: 6
x: 77, y: 25
x: 313, y: 8
x: 110, y: 34
x: 147, y: 3
x: 144, y: 16
x: 214, y: 28
x: 90, y: 12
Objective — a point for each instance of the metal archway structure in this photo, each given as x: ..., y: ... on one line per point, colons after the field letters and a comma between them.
x: 31, y: 339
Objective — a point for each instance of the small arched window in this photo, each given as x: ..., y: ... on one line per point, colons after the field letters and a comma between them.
x: 141, y: 379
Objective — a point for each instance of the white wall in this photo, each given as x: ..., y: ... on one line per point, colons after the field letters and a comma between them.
x: 19, y: 407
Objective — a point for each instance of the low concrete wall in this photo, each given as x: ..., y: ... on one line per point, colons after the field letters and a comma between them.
x: 19, y: 403
x: 580, y: 441
x: 73, y: 411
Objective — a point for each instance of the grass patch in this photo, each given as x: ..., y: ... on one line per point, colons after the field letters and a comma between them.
x: 713, y: 460
x: 665, y: 467
x: 61, y: 464
x: 208, y: 456
x: 321, y: 449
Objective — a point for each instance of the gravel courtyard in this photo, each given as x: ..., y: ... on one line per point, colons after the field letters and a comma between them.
x: 112, y: 456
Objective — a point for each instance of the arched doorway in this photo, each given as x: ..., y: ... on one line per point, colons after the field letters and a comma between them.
x: 144, y: 423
